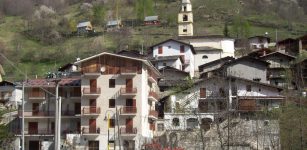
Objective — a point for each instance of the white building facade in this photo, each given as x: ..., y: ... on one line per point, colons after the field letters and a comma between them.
x: 173, y: 47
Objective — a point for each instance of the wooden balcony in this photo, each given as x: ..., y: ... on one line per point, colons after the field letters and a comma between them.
x: 153, y: 96
x: 36, y: 96
x: 92, y: 71
x: 91, y: 111
x: 153, y: 78
x: 128, y: 111
x: 128, y: 131
x: 153, y: 115
x: 128, y: 91
x: 91, y: 91
x: 249, y: 108
x: 90, y: 131
x: 128, y: 70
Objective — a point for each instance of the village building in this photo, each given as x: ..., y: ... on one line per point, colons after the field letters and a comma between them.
x: 10, y: 96
x: 209, y: 48
x: 84, y: 27
x: 278, y: 72
x: 121, y: 91
x: 39, y: 113
x: 113, y: 25
x: 151, y: 20
x: 185, y: 19
x: 167, y: 53
x: 288, y: 46
x: 253, y: 43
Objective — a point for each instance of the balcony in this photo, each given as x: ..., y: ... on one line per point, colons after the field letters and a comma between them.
x: 128, y: 111
x: 92, y: 71
x: 91, y: 92
x: 128, y: 70
x: 37, y: 114
x: 153, y: 96
x: 275, y: 76
x: 90, y: 131
x: 68, y: 113
x: 153, y: 115
x: 36, y: 96
x: 213, y: 95
x: 128, y: 132
x: 249, y: 108
x: 91, y: 111
x: 152, y: 77
x: 37, y: 132
x: 128, y: 91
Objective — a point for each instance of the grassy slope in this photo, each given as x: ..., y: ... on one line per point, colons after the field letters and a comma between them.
x: 69, y: 49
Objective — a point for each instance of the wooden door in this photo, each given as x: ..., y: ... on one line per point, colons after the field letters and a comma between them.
x: 35, y: 109
x: 52, y: 127
x: 34, y: 145
x: 93, y: 85
x: 92, y: 105
x: 129, y: 85
x: 92, y: 125
x: 129, y: 125
x: 32, y: 127
x: 77, y: 108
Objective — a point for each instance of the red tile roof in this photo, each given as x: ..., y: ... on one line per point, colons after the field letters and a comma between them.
x: 51, y: 82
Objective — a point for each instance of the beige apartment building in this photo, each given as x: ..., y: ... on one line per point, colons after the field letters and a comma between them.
x: 119, y: 94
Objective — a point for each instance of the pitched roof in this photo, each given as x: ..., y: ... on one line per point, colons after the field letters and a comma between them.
x: 221, y: 60
x: 76, y: 82
x: 255, y: 82
x: 192, y: 48
x: 113, y: 22
x: 260, y: 52
x: 83, y: 24
x: 151, y: 18
x: 132, y: 53
x: 145, y: 61
x: 246, y: 58
x: 207, y: 48
x: 278, y: 53
x: 173, y: 69
x: 6, y: 83
x: 260, y: 36
x: 286, y: 41
x: 204, y: 37
x: 163, y: 58
x: 66, y: 66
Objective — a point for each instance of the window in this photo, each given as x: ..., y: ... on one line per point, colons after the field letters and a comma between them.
x: 111, y: 103
x: 184, y: 8
x: 181, y: 48
x: 205, y: 57
x: 248, y: 88
x: 169, y: 47
x: 164, y: 64
x: 160, y: 127
x: 185, y: 18
x: 111, y: 83
x: 112, y: 123
x: 160, y: 50
x: 202, y: 92
x: 175, y: 122
x: 185, y: 30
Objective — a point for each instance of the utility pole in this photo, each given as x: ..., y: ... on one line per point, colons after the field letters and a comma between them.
x: 23, y: 117
x: 57, y: 116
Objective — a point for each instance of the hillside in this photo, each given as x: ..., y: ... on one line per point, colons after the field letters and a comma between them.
x: 38, y: 39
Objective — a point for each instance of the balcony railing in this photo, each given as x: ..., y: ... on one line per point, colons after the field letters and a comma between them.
x: 90, y: 110
x: 153, y: 113
x: 128, y: 70
x: 124, y: 91
x: 128, y: 130
x: 249, y: 108
x: 90, y: 130
x: 39, y: 131
x: 94, y: 91
x: 37, y: 113
x: 152, y: 77
x: 153, y: 95
x: 128, y: 110
x: 91, y: 69
x: 36, y: 95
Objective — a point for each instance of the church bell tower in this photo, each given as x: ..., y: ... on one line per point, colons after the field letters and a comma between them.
x: 185, y: 19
